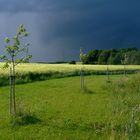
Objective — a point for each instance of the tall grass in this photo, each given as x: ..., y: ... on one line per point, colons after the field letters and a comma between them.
x: 125, y: 106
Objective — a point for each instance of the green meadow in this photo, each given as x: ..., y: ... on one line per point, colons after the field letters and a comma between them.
x: 57, y: 109
x: 51, y: 105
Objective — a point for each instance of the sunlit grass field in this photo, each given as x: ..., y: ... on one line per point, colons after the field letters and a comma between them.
x: 58, y: 110
x: 42, y: 68
x: 63, y: 114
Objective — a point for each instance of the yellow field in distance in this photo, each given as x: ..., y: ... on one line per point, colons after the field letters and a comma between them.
x: 42, y: 68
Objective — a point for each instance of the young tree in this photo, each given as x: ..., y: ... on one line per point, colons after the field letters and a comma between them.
x: 13, y: 50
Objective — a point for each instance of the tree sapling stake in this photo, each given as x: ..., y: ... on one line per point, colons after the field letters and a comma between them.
x: 81, y: 72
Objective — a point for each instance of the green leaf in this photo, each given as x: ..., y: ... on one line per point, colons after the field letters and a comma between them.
x: 26, y: 34
x: 7, y: 40
x: 2, y: 57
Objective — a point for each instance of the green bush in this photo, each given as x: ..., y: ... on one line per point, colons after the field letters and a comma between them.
x: 72, y: 62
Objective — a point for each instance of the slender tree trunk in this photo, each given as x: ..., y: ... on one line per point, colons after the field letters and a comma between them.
x: 81, y: 85
x: 14, y: 97
x: 13, y: 75
x: 124, y: 70
x: 11, y: 83
x: 82, y: 80
x: 107, y: 73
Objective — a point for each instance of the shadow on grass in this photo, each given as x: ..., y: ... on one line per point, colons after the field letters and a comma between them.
x: 108, y: 81
x: 22, y: 119
x: 87, y: 91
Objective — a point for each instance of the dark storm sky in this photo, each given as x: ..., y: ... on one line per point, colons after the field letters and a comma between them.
x: 58, y: 28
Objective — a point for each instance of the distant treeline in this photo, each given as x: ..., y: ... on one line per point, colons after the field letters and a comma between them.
x: 113, y: 56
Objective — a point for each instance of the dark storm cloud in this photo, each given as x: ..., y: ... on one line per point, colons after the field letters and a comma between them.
x: 108, y: 24
x: 60, y: 27
x: 46, y: 5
